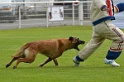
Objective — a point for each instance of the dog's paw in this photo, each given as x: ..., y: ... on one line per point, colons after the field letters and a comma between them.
x: 7, y: 65
x: 41, y: 65
x: 14, y: 67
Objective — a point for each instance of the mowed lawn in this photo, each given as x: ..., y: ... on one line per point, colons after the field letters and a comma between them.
x: 91, y: 70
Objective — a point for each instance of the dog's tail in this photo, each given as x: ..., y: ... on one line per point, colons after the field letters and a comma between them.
x: 20, y: 52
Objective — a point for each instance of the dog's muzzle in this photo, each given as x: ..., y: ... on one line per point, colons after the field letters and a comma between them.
x: 78, y: 43
x: 81, y: 42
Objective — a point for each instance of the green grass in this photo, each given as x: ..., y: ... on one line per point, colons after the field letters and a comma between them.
x: 92, y: 70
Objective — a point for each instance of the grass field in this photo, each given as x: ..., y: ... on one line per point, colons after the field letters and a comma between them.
x: 92, y: 70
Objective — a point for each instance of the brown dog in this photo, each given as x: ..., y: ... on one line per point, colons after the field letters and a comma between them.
x: 51, y: 48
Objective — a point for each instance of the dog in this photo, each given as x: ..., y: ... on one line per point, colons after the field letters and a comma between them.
x: 52, y: 48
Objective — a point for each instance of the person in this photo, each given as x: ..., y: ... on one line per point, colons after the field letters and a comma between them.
x: 102, y: 14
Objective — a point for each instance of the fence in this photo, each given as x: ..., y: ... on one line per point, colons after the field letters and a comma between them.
x: 36, y: 14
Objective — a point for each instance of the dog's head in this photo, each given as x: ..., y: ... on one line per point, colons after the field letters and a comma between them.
x: 76, y: 41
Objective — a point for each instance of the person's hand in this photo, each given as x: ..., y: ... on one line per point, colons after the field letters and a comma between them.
x: 104, y: 8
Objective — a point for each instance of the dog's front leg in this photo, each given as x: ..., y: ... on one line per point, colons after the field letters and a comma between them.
x: 55, y: 62
x: 48, y: 60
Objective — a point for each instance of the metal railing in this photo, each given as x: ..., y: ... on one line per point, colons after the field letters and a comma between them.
x: 35, y: 14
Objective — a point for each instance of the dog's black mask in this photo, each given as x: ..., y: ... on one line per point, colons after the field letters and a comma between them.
x: 76, y: 42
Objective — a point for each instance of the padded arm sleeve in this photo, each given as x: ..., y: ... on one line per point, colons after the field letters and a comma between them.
x: 120, y: 7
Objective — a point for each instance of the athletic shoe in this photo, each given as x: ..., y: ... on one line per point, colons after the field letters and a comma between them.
x: 76, y: 62
x: 111, y: 62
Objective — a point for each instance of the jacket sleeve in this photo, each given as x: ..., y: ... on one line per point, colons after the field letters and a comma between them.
x: 99, y: 3
x: 119, y: 7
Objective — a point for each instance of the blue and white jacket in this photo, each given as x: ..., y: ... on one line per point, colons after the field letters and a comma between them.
x: 98, y: 15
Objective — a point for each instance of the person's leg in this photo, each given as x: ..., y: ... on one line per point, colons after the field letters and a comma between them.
x: 117, y: 36
x: 92, y: 45
x: 111, y: 56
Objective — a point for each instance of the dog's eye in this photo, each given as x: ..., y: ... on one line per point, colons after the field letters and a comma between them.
x: 77, y: 39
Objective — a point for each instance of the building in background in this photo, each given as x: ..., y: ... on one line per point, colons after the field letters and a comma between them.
x: 37, y: 10
x: 7, y: 11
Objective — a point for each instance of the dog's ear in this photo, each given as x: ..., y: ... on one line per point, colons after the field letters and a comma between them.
x: 71, y: 38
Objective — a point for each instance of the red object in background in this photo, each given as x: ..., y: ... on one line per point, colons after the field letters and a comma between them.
x: 76, y: 2
x: 110, y: 8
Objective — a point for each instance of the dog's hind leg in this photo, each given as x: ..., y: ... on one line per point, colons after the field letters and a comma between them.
x: 14, y: 58
x: 48, y: 60
x: 55, y: 62
x: 26, y: 60
x: 30, y: 55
